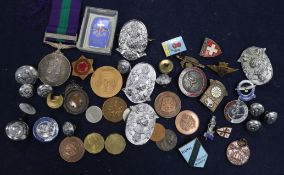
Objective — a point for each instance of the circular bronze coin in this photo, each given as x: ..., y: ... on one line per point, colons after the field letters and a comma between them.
x: 187, y: 122
x: 158, y: 133
x: 71, y: 149
x: 113, y: 109
x: 106, y: 81
x: 115, y: 144
x: 167, y: 104
x: 94, y: 143
x: 169, y: 142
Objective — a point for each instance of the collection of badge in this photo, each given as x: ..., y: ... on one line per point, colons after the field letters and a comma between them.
x: 96, y: 36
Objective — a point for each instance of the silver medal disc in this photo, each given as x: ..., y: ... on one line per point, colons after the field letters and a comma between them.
x: 140, y: 124
x: 133, y: 40
x: 140, y: 83
x: 54, y: 69
x: 236, y: 111
x: 192, y: 82
x: 256, y: 65
x: 94, y: 114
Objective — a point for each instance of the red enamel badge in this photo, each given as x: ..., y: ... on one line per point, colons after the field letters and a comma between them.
x: 210, y: 48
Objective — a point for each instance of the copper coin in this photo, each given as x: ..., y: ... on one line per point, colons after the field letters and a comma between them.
x: 71, y: 149
x: 238, y: 152
x: 187, y: 122
x: 158, y: 133
x: 113, y: 109
x: 167, y: 104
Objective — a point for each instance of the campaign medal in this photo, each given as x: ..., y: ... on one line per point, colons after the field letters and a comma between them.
x: 173, y: 46
x: 256, y: 65
x: 194, y: 153
x: 100, y: 32
x: 236, y: 111
x: 214, y: 94
x: 140, y: 124
x: 82, y: 67
x: 133, y: 40
x: 210, y: 48
x: 192, y: 82
x: 238, y: 152
x: 76, y: 100
x: 140, y: 83
x: 54, y: 69
x: 246, y: 90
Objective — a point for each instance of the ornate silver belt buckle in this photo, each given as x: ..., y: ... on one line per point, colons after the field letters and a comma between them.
x: 256, y: 65
x: 140, y: 124
x: 133, y: 40
x: 140, y: 83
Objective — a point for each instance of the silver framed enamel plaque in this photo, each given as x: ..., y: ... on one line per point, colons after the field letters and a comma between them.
x: 97, y: 30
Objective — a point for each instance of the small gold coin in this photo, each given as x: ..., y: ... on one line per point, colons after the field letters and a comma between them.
x: 113, y: 109
x: 94, y: 143
x: 166, y: 66
x: 53, y: 101
x: 106, y: 81
x: 115, y: 144
x: 158, y: 133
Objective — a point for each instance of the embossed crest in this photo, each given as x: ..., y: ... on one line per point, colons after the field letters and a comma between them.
x: 140, y: 124
x: 133, y: 40
x: 256, y: 65
x: 140, y: 83
x: 192, y: 82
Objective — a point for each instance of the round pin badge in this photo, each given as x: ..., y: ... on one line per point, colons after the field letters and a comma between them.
x: 94, y: 114
x: 238, y: 152
x: 192, y: 82
x: 45, y: 129
x: 236, y: 111
x: 246, y: 90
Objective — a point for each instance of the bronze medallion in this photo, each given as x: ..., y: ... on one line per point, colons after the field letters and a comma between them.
x: 167, y: 104
x: 187, y: 122
x: 113, y: 109
x: 158, y: 133
x: 71, y: 149
x: 106, y: 81
x: 238, y: 152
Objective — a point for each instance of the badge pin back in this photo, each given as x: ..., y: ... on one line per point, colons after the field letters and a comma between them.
x: 174, y: 46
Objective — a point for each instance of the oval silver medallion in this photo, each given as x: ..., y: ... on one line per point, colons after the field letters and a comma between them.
x: 256, y: 65
x: 54, y: 69
x: 140, y: 83
x: 140, y: 124
x: 133, y: 40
